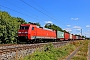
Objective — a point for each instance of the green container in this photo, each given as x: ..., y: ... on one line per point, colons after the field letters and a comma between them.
x: 60, y: 34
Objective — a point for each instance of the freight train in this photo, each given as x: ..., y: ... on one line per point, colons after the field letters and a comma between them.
x: 31, y: 33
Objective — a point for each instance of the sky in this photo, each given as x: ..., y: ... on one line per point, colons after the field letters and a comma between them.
x: 70, y: 15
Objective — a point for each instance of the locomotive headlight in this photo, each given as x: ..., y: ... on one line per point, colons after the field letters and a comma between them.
x: 19, y: 32
x: 26, y: 32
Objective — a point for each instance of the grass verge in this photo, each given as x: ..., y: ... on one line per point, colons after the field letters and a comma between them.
x: 82, y: 53
x: 51, y: 53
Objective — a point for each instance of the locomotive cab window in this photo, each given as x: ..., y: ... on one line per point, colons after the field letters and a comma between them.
x: 27, y: 27
x: 32, y: 28
x: 24, y: 27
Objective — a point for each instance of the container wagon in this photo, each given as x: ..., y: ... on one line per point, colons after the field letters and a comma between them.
x: 66, y: 36
x: 71, y: 37
x: 60, y: 35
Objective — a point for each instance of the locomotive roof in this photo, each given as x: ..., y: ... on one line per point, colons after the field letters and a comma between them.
x: 36, y: 26
x: 27, y: 24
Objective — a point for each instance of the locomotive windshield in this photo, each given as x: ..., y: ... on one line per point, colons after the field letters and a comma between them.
x: 24, y: 27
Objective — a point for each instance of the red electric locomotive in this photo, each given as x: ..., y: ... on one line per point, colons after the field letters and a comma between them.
x: 31, y: 32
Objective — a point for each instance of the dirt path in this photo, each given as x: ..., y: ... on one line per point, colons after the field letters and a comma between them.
x: 73, y: 53
x: 88, y: 58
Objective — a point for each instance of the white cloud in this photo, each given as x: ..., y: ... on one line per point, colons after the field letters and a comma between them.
x: 71, y: 18
x: 68, y: 29
x: 48, y: 22
x: 77, y: 27
x: 87, y: 26
x: 74, y: 18
x: 68, y: 25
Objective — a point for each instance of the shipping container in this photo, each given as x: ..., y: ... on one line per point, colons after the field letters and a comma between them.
x: 70, y: 36
x: 73, y: 37
x: 77, y: 37
x: 66, y: 36
x: 80, y: 38
x: 60, y: 35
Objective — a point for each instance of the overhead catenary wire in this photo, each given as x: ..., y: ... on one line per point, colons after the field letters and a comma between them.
x: 41, y: 12
x: 20, y: 7
x: 41, y: 7
x: 34, y: 8
x: 19, y: 12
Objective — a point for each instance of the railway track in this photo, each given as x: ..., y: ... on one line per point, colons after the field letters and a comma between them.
x: 16, y: 51
x: 13, y: 47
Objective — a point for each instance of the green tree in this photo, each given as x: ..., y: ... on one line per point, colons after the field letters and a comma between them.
x: 9, y: 27
x: 38, y: 24
x: 54, y: 27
